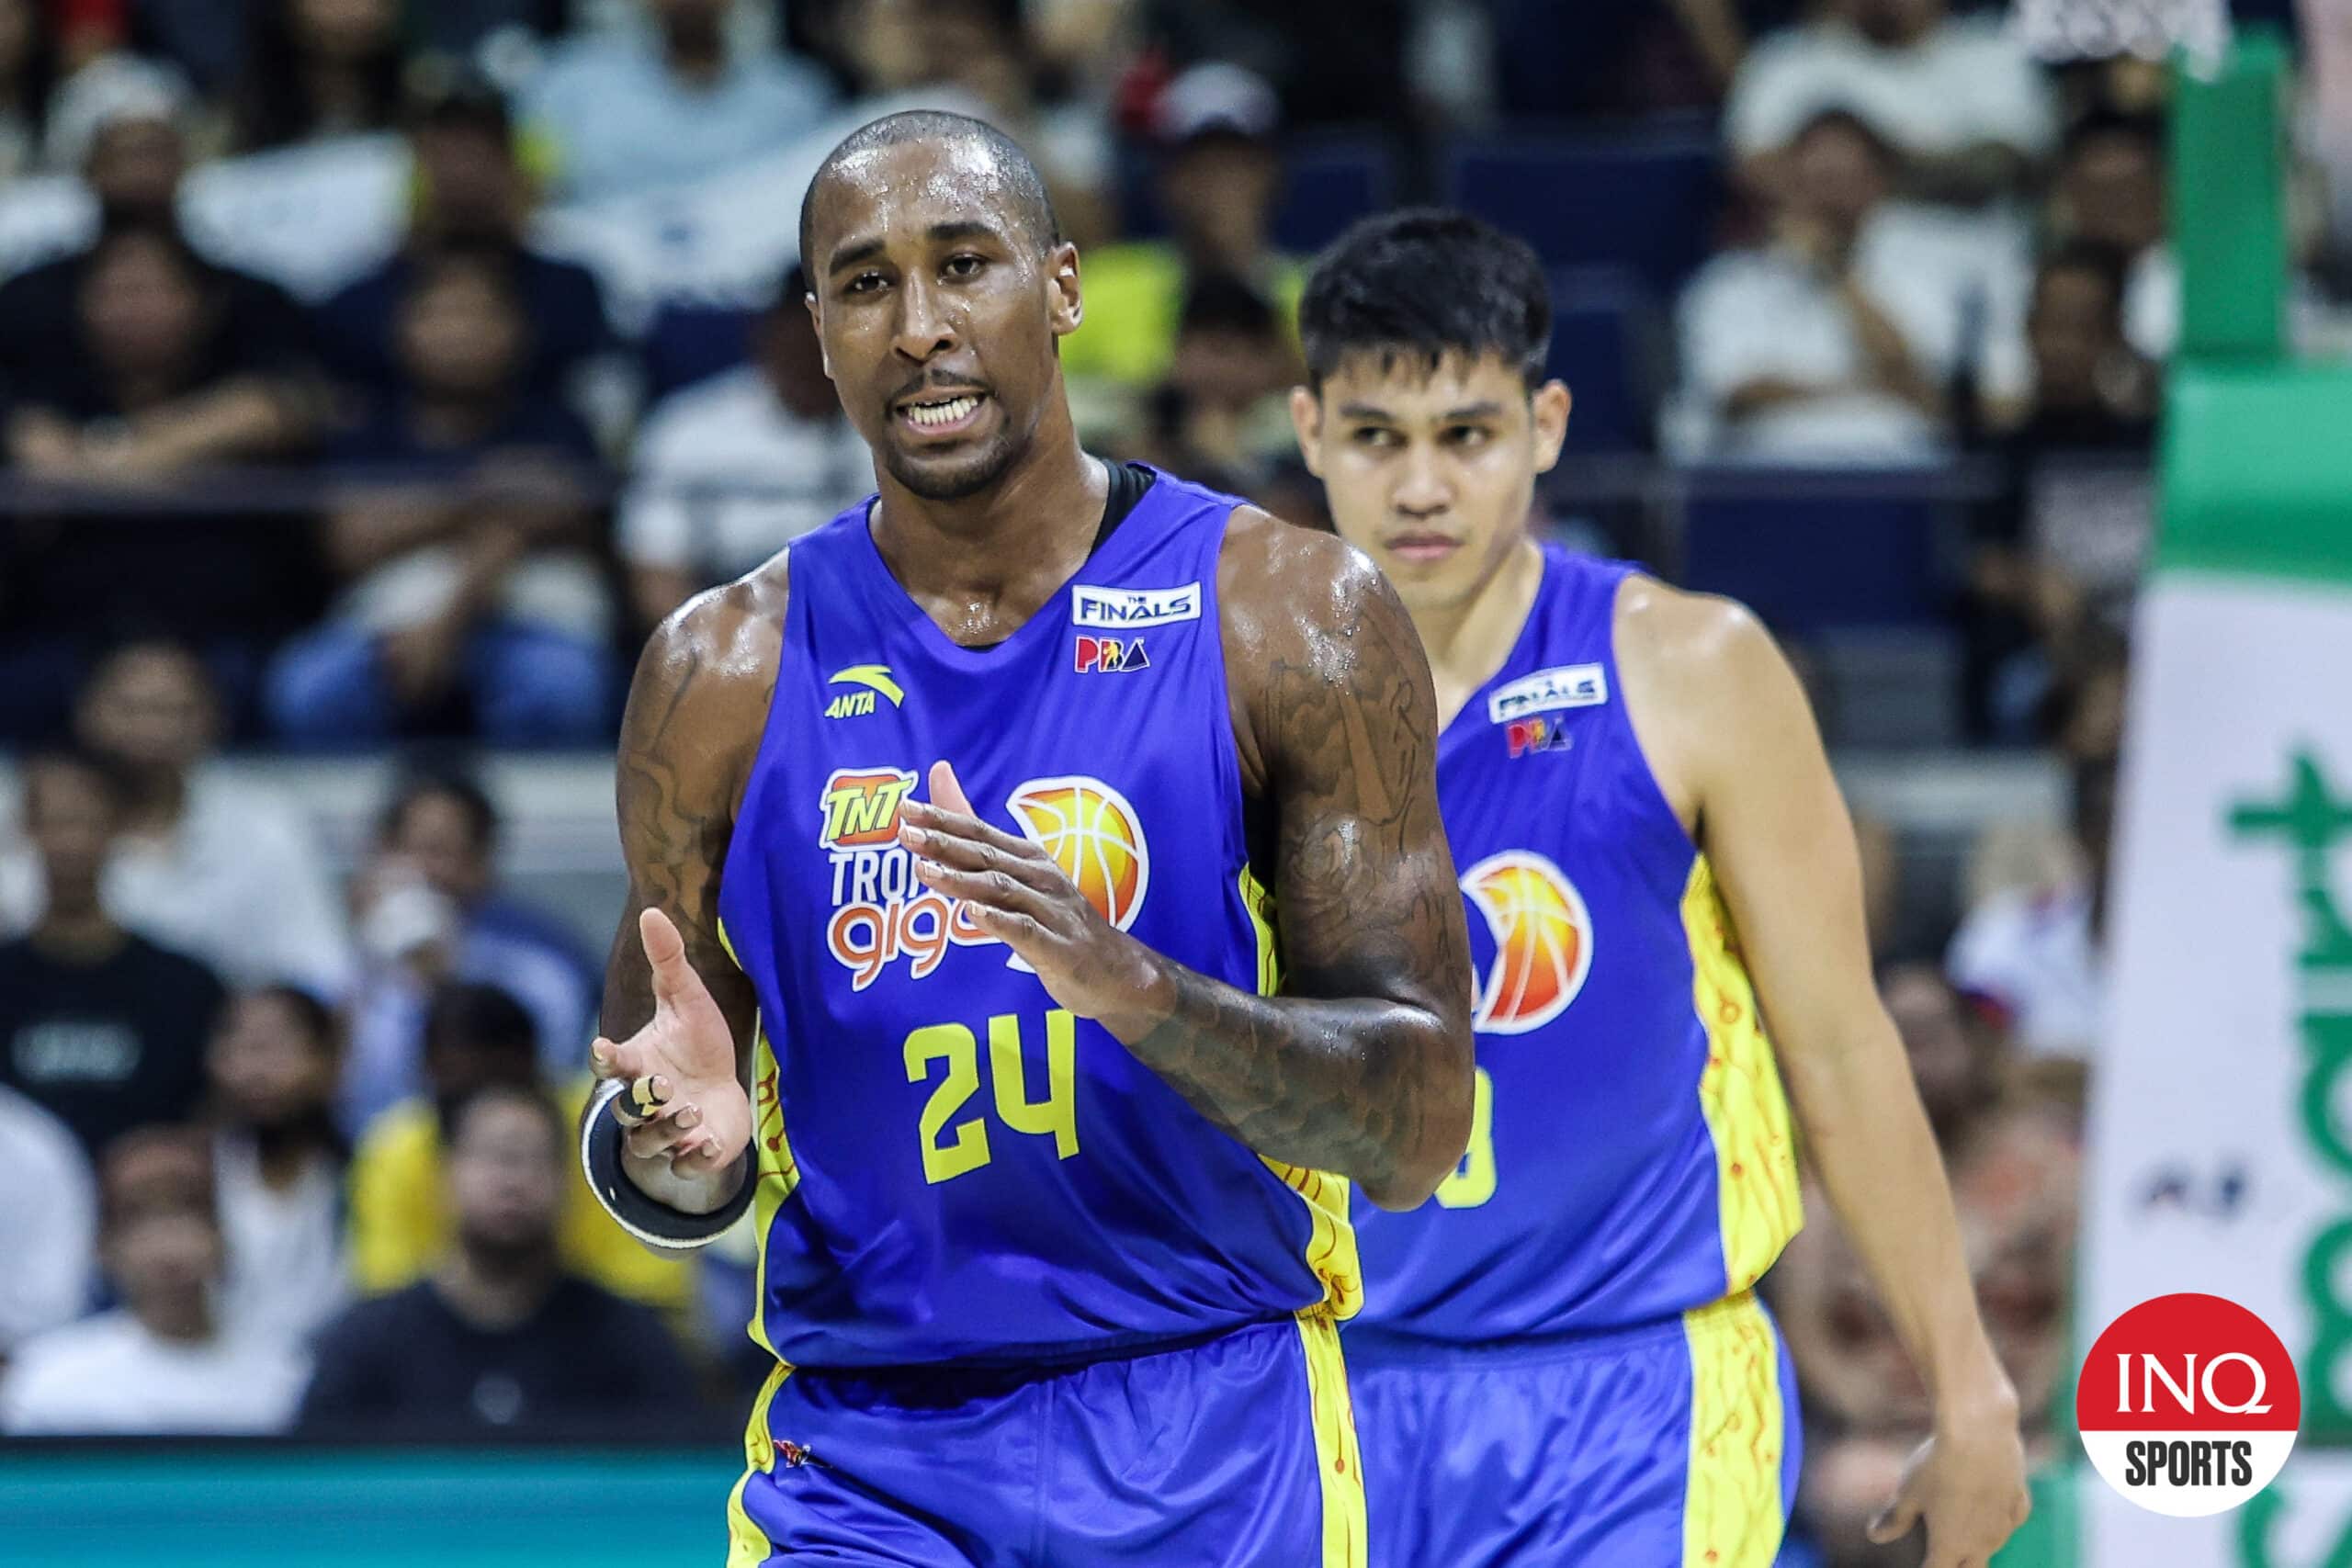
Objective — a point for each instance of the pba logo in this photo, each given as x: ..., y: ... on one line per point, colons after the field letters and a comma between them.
x: 882, y: 912
x: 1542, y: 940
x: 1094, y: 836
x: 1527, y: 736
x: 1098, y: 654
x: 2189, y: 1405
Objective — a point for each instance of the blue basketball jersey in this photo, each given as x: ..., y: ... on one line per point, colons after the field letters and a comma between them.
x: 1631, y: 1157
x: 950, y: 1167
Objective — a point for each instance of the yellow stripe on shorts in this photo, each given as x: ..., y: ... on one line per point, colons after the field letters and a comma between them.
x: 1732, y: 1516
x: 1338, y: 1462
x: 748, y: 1545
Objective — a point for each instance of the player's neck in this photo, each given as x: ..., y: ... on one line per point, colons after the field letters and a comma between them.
x: 984, y: 563
x: 1467, y: 640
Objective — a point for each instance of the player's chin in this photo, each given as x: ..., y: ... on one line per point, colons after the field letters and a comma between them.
x: 949, y: 472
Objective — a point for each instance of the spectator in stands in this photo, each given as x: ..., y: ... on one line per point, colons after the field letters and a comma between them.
x: 1223, y: 413
x: 667, y: 104
x: 2031, y: 957
x: 428, y: 909
x: 105, y: 1029
x: 1959, y: 100
x: 1219, y: 176
x: 1956, y: 1055
x: 477, y: 1036
x: 163, y: 1361
x: 2108, y: 194
x: 1332, y: 62
x: 48, y: 1224
x: 226, y: 871
x: 2073, y: 516
x: 471, y: 575
x: 500, y: 1337
x: 731, y: 469
x: 278, y: 1162
x: 1838, y: 340
x: 473, y: 196
x: 316, y: 69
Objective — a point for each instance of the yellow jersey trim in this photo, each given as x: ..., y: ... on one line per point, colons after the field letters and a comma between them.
x: 775, y: 1174
x: 1739, y: 1091
x: 1338, y: 1464
x: 1732, y: 1511
x: 748, y: 1545
x: 1331, y: 1234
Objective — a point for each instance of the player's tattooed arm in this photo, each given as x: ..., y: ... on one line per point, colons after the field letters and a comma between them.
x: 1362, y: 1065
x: 678, y: 1014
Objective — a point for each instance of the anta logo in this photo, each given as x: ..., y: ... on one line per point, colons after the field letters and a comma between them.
x: 1542, y: 940
x: 1125, y: 609
x: 1563, y: 686
x: 873, y: 680
x: 1102, y: 653
x: 881, y: 913
x: 862, y: 807
x: 1537, y: 734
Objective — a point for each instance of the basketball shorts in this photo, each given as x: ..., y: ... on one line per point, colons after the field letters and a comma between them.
x: 1672, y: 1445
x: 1236, y: 1450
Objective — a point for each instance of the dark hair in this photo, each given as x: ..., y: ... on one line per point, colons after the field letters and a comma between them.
x: 2147, y: 130
x: 2101, y: 262
x: 465, y: 100
x: 316, y: 1020
x: 531, y: 1095
x: 270, y: 107
x: 467, y: 1016
x: 1416, y: 285
x: 114, y: 781
x: 446, y: 783
x: 1220, y: 302
x: 1837, y: 117
x: 1031, y: 202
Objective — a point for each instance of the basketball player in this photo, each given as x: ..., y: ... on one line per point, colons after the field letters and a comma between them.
x: 953, y: 833
x: 1561, y: 1359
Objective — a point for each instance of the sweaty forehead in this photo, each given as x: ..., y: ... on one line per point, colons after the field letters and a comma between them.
x: 1402, y: 384
x: 899, y: 191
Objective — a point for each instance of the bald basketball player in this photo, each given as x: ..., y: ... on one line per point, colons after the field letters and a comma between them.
x: 1040, y: 923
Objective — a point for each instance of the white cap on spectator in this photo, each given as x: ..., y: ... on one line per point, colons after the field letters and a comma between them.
x: 1214, y: 98
x: 107, y: 92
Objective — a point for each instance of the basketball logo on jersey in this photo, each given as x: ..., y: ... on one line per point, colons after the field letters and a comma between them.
x: 882, y: 912
x: 1542, y: 940
x: 1093, y: 835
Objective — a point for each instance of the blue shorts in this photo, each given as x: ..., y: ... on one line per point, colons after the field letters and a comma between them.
x: 1673, y: 1444
x: 1237, y: 1450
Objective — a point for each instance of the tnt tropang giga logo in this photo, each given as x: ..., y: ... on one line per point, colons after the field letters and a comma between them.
x: 2189, y: 1405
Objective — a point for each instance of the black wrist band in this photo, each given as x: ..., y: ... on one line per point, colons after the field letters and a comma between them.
x: 647, y: 1219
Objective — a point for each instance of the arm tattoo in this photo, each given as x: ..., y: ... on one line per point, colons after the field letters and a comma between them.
x: 1363, y: 1066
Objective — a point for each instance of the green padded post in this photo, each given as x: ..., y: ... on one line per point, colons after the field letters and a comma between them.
x: 2229, y: 205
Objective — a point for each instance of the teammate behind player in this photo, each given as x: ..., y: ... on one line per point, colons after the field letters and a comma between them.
x: 1561, y: 1359
x: 1046, y: 1248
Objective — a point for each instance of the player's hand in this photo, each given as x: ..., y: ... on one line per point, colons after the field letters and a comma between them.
x: 1013, y: 890
x: 687, y: 1114
x: 1968, y: 1483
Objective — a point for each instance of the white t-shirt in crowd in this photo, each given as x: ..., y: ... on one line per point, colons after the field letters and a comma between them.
x: 240, y: 884
x: 288, y: 1273
x: 108, y: 1374
x: 733, y: 432
x: 2031, y: 954
x: 1942, y: 279
x: 49, y: 1223
x: 1967, y: 82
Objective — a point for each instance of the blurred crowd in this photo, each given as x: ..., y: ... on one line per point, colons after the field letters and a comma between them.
x: 376, y: 372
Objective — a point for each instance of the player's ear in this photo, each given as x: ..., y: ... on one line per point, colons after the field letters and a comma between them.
x: 1549, y: 406
x: 1307, y: 418
x: 1062, y: 277
x: 817, y: 322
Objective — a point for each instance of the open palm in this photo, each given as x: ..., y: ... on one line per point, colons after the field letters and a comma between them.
x: 690, y: 1116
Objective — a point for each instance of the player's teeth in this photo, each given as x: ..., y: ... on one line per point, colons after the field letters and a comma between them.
x: 943, y: 414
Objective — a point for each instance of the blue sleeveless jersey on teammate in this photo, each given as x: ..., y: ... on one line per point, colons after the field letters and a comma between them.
x: 1560, y: 1359
x: 1029, y: 1307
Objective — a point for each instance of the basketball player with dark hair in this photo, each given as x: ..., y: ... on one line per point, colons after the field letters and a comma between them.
x: 1038, y: 870
x: 1561, y: 1359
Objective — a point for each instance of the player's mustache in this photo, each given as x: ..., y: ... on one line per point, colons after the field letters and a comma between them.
x: 936, y: 380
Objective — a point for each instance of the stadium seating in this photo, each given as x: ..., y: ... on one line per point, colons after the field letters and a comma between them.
x: 1642, y: 199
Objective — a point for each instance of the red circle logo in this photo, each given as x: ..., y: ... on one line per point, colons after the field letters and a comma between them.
x: 2189, y: 1405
